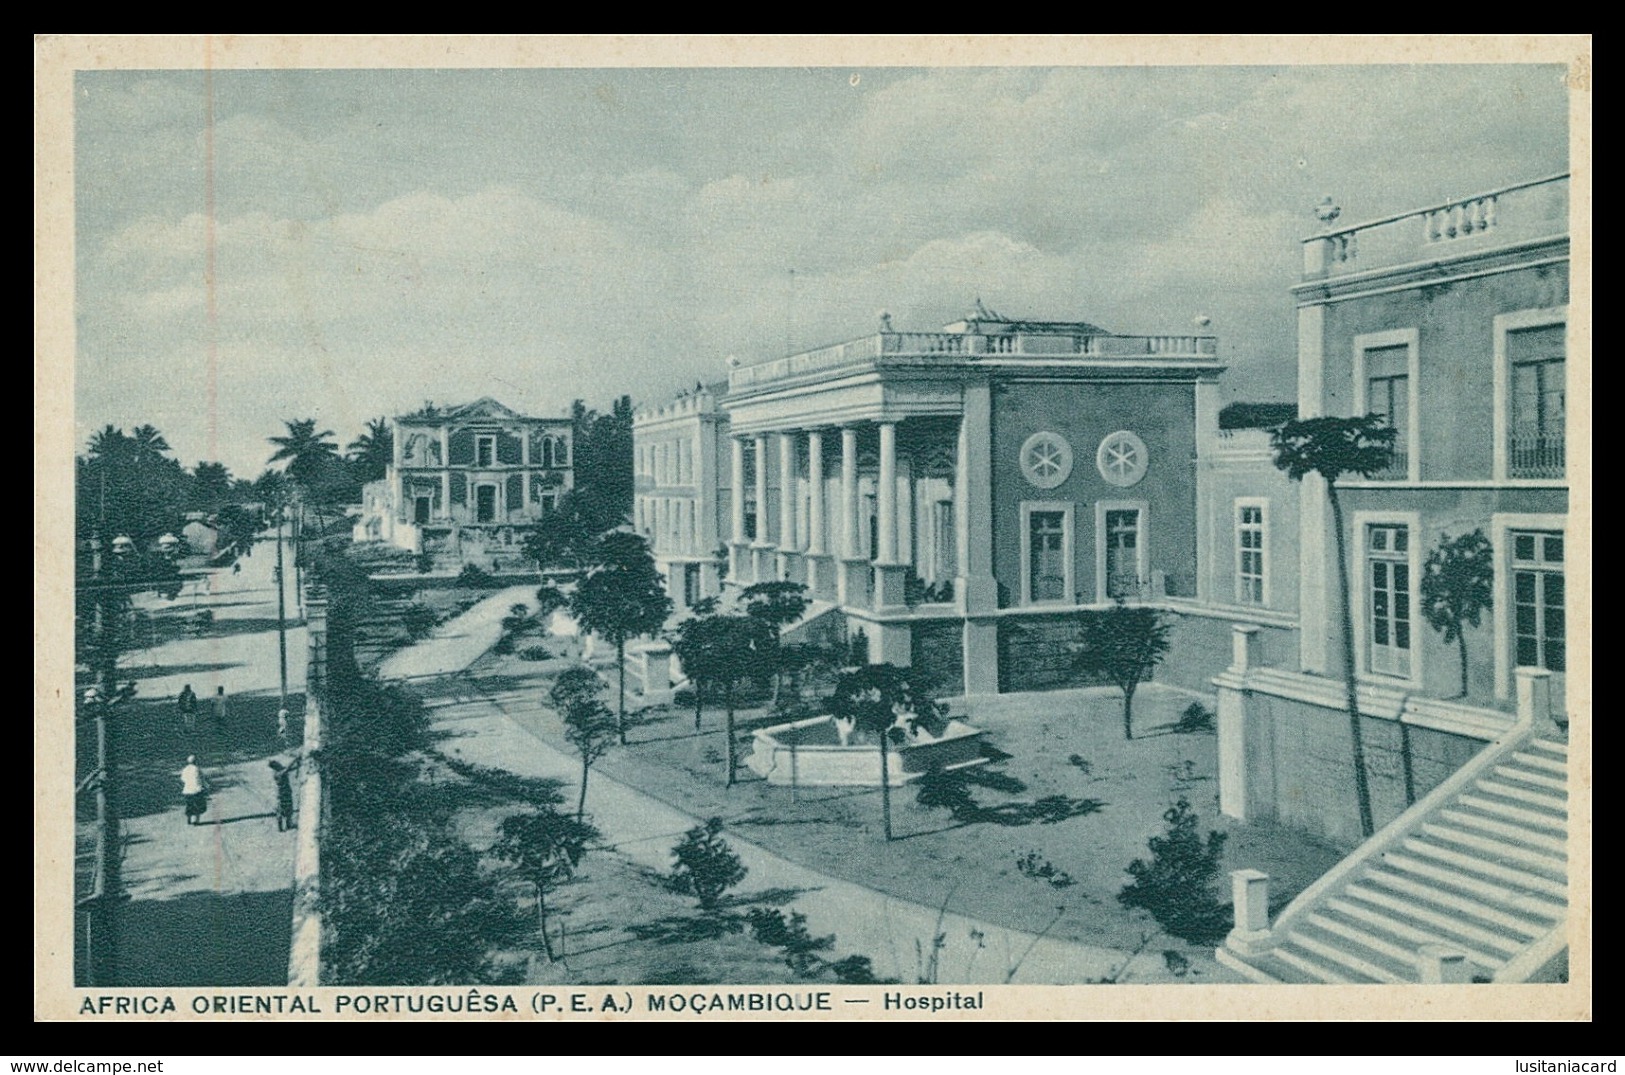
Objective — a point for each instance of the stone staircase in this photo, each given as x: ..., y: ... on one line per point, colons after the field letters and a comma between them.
x: 1468, y: 885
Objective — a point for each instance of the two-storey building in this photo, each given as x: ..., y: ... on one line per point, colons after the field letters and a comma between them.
x: 466, y: 481
x: 1451, y: 323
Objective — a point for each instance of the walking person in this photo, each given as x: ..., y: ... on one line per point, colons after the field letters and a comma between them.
x: 283, y: 776
x: 187, y: 704
x: 220, y: 709
x: 195, y: 790
x: 282, y: 724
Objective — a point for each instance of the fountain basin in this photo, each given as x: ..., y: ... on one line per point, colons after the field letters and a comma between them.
x: 811, y: 753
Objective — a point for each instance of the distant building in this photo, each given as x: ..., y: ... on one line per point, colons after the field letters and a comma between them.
x: 681, y: 476
x: 957, y: 495
x: 465, y: 482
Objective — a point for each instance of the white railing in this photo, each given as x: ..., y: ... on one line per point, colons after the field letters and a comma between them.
x: 905, y: 346
x: 1521, y: 212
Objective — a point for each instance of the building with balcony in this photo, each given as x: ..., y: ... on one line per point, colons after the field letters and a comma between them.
x: 465, y: 482
x: 1451, y: 322
x: 957, y: 495
x: 682, y: 492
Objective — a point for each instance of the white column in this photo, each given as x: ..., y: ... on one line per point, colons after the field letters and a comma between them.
x: 737, y: 489
x: 445, y: 473
x: 849, y: 492
x: 815, y: 488
x: 787, y: 492
x: 1317, y: 589
x: 761, y: 489
x: 886, y: 504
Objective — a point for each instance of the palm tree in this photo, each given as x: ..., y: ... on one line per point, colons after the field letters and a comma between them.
x: 149, y: 444
x: 309, y: 455
x: 373, y: 451
x: 1333, y: 447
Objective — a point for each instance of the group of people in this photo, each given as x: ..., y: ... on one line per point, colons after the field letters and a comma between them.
x: 195, y: 789
x: 187, y: 703
x: 195, y: 786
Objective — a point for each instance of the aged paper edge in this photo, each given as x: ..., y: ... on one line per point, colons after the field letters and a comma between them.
x: 56, y: 58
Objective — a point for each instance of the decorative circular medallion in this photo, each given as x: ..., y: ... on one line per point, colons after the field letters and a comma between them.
x: 1046, y: 459
x: 1122, y: 459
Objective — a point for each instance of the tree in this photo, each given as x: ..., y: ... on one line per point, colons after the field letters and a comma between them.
x: 705, y: 866
x: 211, y: 487
x: 310, y: 457
x: 372, y: 451
x: 776, y: 605
x: 589, y: 726
x: 717, y: 653
x: 1458, y: 586
x: 603, y: 463
x: 126, y: 486
x: 1122, y: 645
x: 546, y: 847
x: 565, y: 537
x: 1176, y: 883
x: 621, y: 598
x: 1332, y: 448
x: 308, y: 453
x: 880, y: 700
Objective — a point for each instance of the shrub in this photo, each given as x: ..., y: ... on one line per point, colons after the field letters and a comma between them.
x: 504, y: 645
x: 475, y: 577
x: 1196, y: 718
x: 534, y: 653
x: 1176, y: 884
x: 425, y: 562
x: 684, y: 697
x: 706, y: 866
x: 769, y: 926
x: 1034, y: 865
x: 418, y: 619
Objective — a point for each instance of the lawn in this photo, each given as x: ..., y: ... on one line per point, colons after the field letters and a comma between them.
x: 1058, y: 815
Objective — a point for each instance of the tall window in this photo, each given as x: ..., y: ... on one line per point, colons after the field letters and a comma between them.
x: 1538, y: 366
x: 1046, y: 564
x: 1537, y: 596
x: 1123, y: 553
x: 1388, y: 576
x: 1387, y: 387
x: 485, y: 451
x: 1250, y: 554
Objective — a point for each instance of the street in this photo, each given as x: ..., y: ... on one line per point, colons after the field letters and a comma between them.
x: 210, y: 904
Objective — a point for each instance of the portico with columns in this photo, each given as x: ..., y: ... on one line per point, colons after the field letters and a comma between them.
x: 867, y: 472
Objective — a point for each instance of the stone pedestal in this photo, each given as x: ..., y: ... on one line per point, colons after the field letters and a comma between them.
x: 656, y: 659
x: 1250, y: 890
x: 739, y: 564
x: 763, y: 565
x: 889, y: 586
x: 792, y: 567
x: 853, y: 583
x: 822, y: 584
x: 1438, y: 965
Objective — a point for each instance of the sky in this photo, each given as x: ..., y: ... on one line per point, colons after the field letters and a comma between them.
x: 379, y: 238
